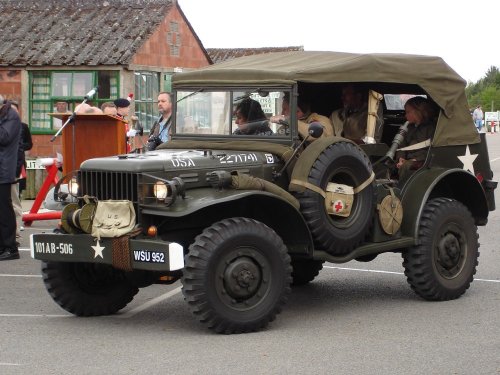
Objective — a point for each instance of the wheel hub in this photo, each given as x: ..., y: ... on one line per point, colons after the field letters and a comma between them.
x: 242, y: 278
x: 449, y: 254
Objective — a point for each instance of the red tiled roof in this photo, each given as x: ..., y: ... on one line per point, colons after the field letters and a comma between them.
x: 222, y: 54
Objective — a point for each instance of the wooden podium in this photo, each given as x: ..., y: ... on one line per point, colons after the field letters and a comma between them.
x: 90, y: 136
x: 87, y: 136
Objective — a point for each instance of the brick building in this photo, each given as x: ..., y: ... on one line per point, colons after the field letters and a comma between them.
x: 55, y: 51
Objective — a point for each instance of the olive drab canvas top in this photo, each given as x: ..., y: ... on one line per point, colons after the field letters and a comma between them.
x: 432, y: 74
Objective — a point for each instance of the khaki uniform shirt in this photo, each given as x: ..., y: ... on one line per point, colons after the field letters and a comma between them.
x: 352, y: 124
x: 314, y: 117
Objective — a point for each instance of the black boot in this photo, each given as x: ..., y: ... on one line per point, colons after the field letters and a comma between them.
x: 9, y: 254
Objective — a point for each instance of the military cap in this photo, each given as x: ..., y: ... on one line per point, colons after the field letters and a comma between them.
x: 122, y: 103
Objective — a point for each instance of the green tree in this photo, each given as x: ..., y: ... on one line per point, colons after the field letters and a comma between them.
x: 486, y: 91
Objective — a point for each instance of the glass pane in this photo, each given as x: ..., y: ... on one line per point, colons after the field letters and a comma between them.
x: 40, y: 86
x: 113, y: 84
x: 203, y: 113
x: 39, y: 116
x: 149, y: 88
x: 107, y: 84
x: 82, y: 83
x: 61, y: 84
x: 59, y: 107
x: 137, y: 87
x: 167, y: 82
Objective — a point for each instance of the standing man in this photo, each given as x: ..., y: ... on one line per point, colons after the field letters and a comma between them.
x: 122, y: 110
x: 160, y: 132
x: 477, y: 116
x: 10, y: 134
x: 25, y: 145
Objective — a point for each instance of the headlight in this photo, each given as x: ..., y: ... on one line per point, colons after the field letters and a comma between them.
x: 73, y: 187
x: 160, y: 190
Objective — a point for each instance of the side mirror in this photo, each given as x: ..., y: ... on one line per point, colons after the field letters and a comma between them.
x: 315, y: 129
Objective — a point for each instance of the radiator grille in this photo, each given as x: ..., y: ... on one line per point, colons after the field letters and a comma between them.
x: 108, y: 185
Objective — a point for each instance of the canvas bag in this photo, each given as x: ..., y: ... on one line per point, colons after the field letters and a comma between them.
x: 338, y: 199
x: 113, y: 218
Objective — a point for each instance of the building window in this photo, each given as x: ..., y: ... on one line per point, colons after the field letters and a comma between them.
x: 147, y: 87
x: 62, y: 91
x: 68, y: 84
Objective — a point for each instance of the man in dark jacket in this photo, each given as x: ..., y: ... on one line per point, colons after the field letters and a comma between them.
x: 160, y: 132
x: 10, y: 138
x: 26, y: 144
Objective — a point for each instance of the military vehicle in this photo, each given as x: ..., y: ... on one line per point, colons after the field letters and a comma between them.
x: 240, y: 219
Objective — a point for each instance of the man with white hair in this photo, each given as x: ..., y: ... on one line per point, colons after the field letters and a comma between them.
x: 10, y: 134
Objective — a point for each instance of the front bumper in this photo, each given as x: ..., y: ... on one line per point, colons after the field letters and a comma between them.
x: 140, y: 254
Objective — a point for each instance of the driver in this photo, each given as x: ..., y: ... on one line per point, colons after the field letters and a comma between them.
x: 251, y: 119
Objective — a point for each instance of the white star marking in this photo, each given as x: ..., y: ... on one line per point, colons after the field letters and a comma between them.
x: 468, y: 160
x: 98, y: 250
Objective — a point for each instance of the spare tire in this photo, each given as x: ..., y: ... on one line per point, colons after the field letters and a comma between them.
x: 342, y: 163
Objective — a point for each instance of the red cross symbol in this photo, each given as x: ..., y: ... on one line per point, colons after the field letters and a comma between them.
x: 338, y: 206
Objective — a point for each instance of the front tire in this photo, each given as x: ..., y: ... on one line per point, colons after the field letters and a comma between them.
x: 237, y: 276
x: 87, y: 289
x: 443, y: 265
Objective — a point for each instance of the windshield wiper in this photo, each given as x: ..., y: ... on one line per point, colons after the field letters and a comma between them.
x: 187, y: 96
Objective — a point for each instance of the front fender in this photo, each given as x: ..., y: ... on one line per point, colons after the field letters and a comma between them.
x: 429, y: 183
x: 205, y: 206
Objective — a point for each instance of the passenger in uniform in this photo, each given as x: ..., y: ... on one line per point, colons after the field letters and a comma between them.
x: 304, y: 116
x: 350, y: 121
x: 421, y: 114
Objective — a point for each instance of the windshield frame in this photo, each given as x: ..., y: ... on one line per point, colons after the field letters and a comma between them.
x: 236, y: 94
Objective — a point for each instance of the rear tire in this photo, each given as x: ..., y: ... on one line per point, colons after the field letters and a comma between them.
x: 442, y: 267
x: 305, y: 270
x: 237, y: 276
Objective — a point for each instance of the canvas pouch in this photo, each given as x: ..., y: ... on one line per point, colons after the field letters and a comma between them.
x: 113, y: 218
x: 338, y: 199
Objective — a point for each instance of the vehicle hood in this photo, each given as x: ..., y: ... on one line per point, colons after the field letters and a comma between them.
x: 178, y: 159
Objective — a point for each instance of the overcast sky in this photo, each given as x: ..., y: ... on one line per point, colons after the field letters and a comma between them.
x: 467, y: 37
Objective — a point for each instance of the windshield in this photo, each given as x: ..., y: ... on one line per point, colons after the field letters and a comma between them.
x: 396, y: 102
x: 231, y: 113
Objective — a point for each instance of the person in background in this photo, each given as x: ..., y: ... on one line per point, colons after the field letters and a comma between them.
x: 61, y: 107
x: 250, y: 111
x: 122, y: 108
x: 87, y: 109
x: 109, y: 108
x: 10, y: 139
x: 122, y: 111
x: 17, y: 188
x: 478, y: 116
x: 421, y: 114
x: 160, y: 131
x: 350, y: 121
